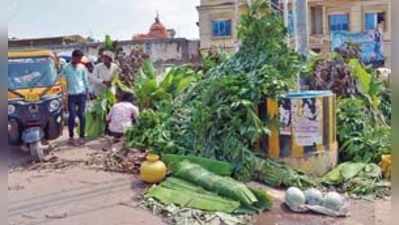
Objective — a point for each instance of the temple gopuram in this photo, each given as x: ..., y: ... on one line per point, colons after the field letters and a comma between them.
x: 157, y: 31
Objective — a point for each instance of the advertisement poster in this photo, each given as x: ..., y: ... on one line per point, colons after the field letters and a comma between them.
x: 306, y: 122
x: 285, y: 116
x: 370, y: 42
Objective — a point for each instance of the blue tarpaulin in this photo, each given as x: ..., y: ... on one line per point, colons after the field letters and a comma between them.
x: 370, y: 43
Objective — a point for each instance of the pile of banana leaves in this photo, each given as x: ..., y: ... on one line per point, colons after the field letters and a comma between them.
x: 193, y: 186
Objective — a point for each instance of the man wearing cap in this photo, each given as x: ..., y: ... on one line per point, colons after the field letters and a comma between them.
x: 104, y: 72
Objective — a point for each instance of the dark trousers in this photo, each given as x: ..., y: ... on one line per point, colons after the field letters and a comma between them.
x: 76, y: 107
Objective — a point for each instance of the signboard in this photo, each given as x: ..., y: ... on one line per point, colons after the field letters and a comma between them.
x: 371, y: 44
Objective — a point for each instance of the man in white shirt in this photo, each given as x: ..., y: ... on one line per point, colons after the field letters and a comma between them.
x: 104, y: 72
x: 122, y: 115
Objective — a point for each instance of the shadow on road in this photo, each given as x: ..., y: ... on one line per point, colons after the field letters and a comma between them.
x: 16, y: 157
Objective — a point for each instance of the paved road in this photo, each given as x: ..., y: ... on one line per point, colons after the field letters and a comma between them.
x: 17, y: 157
x: 75, y: 195
x: 80, y: 195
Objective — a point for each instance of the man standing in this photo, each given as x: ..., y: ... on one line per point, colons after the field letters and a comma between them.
x: 100, y: 55
x: 104, y: 72
x: 78, y: 88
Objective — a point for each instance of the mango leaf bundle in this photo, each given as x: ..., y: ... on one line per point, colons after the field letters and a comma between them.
x: 277, y: 174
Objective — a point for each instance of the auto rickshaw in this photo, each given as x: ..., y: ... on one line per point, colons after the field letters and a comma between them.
x: 35, y: 100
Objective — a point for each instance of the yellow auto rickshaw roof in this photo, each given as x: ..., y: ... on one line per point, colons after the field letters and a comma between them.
x: 31, y: 53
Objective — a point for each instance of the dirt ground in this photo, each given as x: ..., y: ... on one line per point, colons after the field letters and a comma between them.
x: 71, y: 191
x: 362, y: 212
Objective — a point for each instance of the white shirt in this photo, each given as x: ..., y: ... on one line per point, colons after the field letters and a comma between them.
x: 121, y: 115
x: 102, y: 73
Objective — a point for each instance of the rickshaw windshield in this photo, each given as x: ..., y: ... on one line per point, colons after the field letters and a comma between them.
x: 31, y: 72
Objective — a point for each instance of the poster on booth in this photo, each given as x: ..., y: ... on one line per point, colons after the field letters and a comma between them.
x: 285, y: 116
x: 307, y: 117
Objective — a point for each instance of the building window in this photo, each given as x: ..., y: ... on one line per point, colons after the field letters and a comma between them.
x: 373, y: 20
x: 339, y: 22
x: 147, y: 48
x: 221, y: 28
x: 317, y: 20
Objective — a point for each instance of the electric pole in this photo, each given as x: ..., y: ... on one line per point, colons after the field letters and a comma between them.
x: 301, y: 26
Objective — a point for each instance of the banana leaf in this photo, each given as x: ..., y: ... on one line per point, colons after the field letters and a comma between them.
x: 264, y: 200
x: 361, y: 74
x: 224, y: 186
x: 95, y: 126
x: 189, y: 196
x: 96, y: 116
x: 184, y: 83
x: 349, y: 170
x: 179, y: 184
x: 149, y: 70
x: 218, y: 167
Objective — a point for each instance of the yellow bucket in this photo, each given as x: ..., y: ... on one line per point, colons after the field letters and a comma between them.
x: 304, y: 132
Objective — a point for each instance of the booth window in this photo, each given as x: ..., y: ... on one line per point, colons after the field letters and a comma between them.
x: 221, y: 28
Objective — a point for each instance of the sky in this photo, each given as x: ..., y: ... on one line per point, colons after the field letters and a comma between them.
x: 119, y: 18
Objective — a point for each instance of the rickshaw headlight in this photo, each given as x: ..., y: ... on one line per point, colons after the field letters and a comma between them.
x: 54, y: 105
x: 11, y: 109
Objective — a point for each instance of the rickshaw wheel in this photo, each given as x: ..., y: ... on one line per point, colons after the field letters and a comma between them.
x: 37, y: 151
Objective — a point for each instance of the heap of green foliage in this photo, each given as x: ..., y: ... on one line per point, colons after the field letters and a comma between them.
x: 363, y: 104
x: 364, y: 133
x: 217, y: 117
x: 358, y: 179
x: 361, y: 138
x: 385, y: 107
x: 212, y: 58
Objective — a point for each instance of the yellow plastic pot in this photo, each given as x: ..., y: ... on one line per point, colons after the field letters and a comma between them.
x: 152, y: 170
x: 386, y: 165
